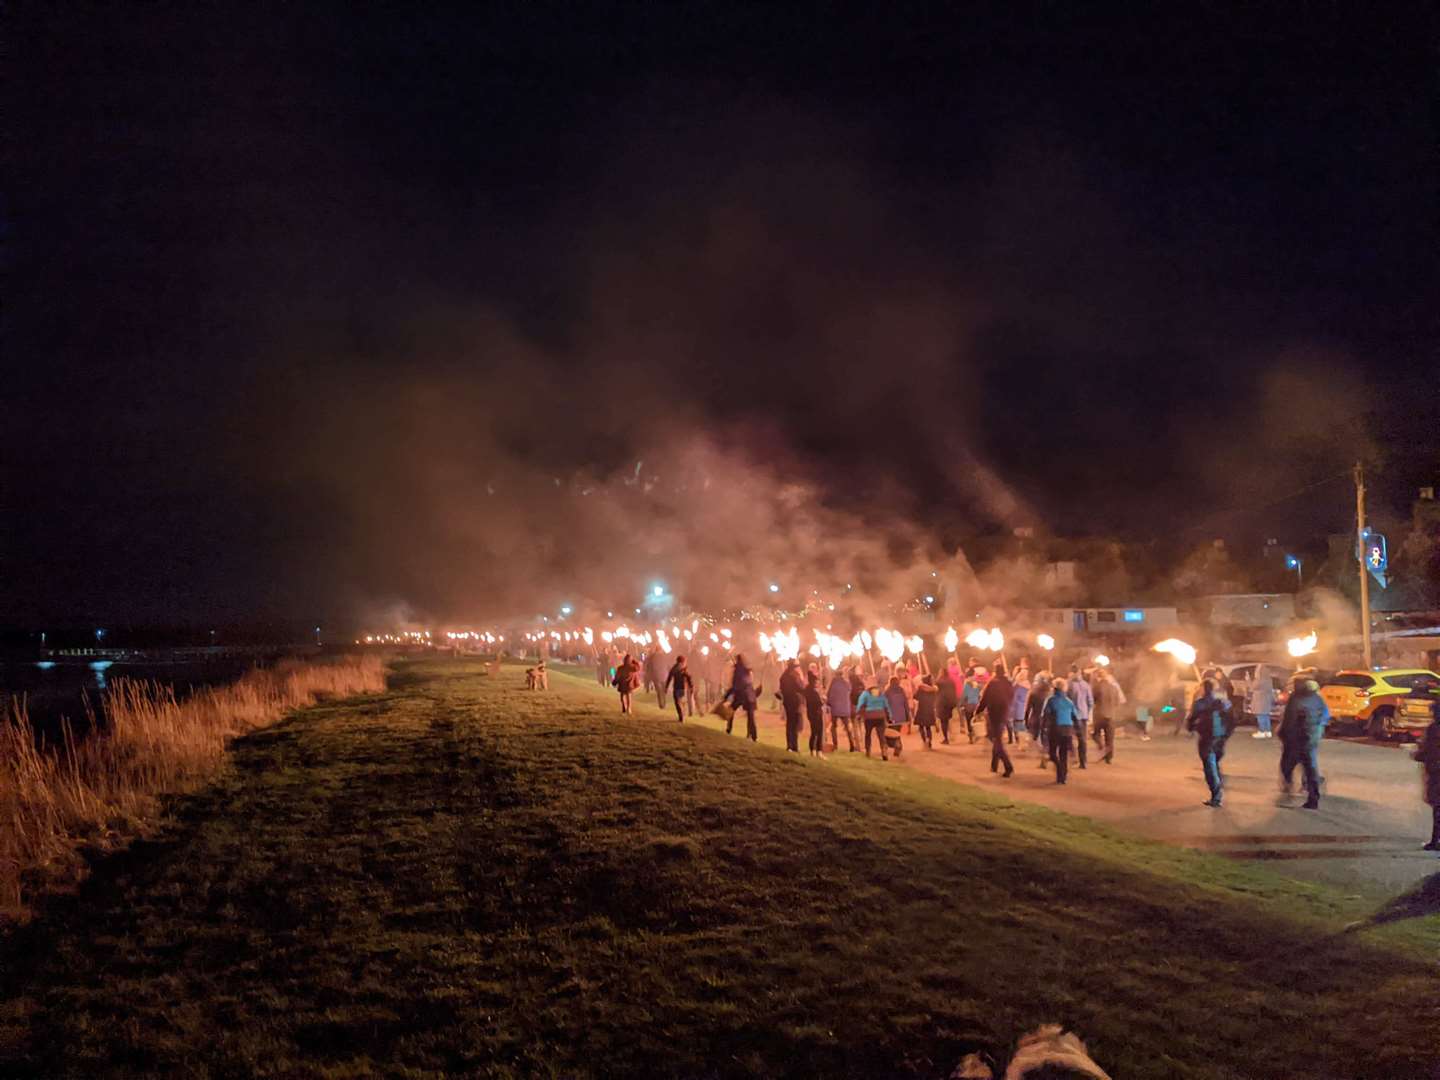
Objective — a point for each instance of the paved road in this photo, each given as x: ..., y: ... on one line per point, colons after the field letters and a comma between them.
x: 1366, y: 834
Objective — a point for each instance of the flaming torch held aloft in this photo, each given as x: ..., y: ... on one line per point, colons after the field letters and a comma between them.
x: 1046, y: 642
x: 1180, y: 650
x: 1303, y: 646
x: 951, y: 641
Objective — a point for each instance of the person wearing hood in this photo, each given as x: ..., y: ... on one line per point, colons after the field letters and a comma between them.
x: 742, y: 696
x: 1429, y: 756
x: 792, y: 700
x: 837, y: 700
x: 1084, y: 699
x: 1302, y: 728
x: 1210, y: 718
x: 996, y: 701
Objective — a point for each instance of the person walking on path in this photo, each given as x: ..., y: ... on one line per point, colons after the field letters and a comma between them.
x: 627, y: 678
x: 1059, y: 719
x: 655, y: 675
x: 602, y: 669
x: 837, y: 699
x: 899, y: 703
x: 1210, y: 717
x: 1035, y: 722
x: 948, y: 700
x: 1084, y: 699
x: 1108, y: 700
x: 875, y: 712
x: 681, y: 685
x: 1302, y: 729
x: 1429, y: 756
x: 792, y: 700
x: 996, y: 701
x: 815, y: 713
x: 1262, y: 700
x: 741, y: 695
x: 970, y: 700
x: 926, y: 696
x: 1019, y: 694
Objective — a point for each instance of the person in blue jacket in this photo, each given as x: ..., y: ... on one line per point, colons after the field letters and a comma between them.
x: 970, y: 698
x: 838, y: 701
x: 1212, y: 719
x: 1059, y: 721
x: 874, y: 711
x: 1301, y: 730
x: 1020, y: 694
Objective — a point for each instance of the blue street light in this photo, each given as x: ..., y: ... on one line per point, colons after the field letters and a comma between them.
x: 774, y: 587
x: 1294, y: 562
x: 565, y: 610
x: 658, y: 590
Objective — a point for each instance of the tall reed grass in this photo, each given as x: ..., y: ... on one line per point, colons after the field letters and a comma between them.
x: 102, y: 789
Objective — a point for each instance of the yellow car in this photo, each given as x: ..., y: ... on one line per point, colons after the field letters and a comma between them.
x: 1383, y: 702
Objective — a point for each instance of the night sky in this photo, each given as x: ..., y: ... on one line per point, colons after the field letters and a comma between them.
x: 325, y: 314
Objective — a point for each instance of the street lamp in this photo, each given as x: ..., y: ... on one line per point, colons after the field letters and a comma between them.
x: 1294, y: 562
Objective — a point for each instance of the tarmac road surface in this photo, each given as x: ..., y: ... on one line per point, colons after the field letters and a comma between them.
x: 1366, y: 836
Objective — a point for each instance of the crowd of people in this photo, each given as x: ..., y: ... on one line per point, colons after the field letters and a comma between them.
x: 1059, y: 715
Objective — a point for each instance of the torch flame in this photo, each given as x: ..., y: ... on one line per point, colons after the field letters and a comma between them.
x: 1180, y: 650
x: 916, y: 644
x: 952, y: 639
x: 993, y: 640
x: 1303, y: 646
x: 1102, y: 660
x: 891, y: 643
x: 1045, y: 641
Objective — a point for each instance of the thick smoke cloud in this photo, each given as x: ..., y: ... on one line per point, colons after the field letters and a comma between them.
x: 762, y: 372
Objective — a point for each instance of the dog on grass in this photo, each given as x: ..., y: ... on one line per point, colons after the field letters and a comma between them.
x: 1047, y: 1053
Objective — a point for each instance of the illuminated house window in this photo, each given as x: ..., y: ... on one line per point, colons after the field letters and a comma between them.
x: 1134, y: 616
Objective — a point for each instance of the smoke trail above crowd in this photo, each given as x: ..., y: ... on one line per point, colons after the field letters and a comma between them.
x: 462, y: 336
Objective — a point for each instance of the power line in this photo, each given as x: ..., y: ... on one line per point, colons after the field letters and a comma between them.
x: 1231, y: 511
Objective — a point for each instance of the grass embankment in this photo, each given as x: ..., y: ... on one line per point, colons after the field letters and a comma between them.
x: 462, y: 876
x: 100, y: 791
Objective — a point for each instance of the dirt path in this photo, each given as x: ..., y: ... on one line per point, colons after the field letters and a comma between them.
x: 1366, y: 835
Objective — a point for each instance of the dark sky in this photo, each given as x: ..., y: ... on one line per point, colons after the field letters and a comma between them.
x: 316, y: 313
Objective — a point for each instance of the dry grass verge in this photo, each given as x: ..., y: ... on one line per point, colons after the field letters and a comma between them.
x: 102, y: 790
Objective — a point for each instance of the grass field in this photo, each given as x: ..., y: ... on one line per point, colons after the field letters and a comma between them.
x: 462, y: 876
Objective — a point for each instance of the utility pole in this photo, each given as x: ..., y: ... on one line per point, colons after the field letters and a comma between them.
x: 1360, y: 563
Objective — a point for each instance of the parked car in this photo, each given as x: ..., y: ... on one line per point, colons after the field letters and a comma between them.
x: 1383, y: 703
x: 1242, y: 677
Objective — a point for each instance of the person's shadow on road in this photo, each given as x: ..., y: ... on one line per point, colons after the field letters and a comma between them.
x: 1420, y: 901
